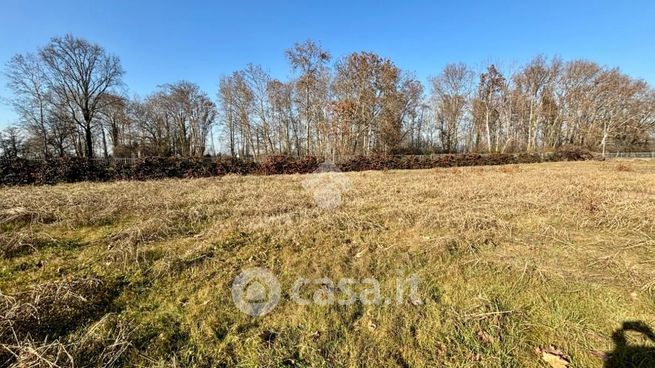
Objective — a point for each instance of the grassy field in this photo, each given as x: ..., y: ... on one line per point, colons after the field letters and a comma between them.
x: 517, y: 265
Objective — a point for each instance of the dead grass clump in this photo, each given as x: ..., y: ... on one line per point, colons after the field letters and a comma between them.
x: 458, y: 246
x: 22, y: 243
x: 103, y: 344
x: 591, y: 203
x: 161, y: 226
x: 31, y: 353
x: 24, y: 216
x: 465, y: 244
x: 17, y: 244
x: 143, y: 232
x: 470, y: 222
x: 176, y: 264
x: 511, y: 169
x: 129, y: 245
x: 589, y: 200
x: 624, y: 168
x: 52, y: 309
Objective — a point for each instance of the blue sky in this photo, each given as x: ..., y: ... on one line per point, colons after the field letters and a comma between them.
x: 164, y: 41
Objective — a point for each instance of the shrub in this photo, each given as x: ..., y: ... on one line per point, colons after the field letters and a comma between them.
x: 281, y: 164
x: 571, y: 153
x: 73, y: 169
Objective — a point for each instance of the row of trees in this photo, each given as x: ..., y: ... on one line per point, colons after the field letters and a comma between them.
x: 361, y: 108
x: 70, y: 99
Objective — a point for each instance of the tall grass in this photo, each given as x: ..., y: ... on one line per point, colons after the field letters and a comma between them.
x: 513, y: 261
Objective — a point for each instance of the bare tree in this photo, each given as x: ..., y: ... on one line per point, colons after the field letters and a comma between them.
x: 80, y: 74
x: 153, y: 129
x: 192, y: 115
x: 618, y: 103
x: 489, y: 100
x: 285, y: 119
x: 311, y: 86
x: 115, y: 123
x: 535, y: 82
x: 11, y: 142
x: 227, y: 103
x: 258, y: 81
x: 67, y: 100
x: 451, y: 92
x: 238, y: 108
x: 28, y: 81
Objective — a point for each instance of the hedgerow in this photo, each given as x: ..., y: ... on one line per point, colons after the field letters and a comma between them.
x: 22, y: 171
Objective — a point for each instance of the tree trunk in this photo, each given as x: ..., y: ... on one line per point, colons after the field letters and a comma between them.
x: 603, y: 142
x: 486, y: 120
x: 104, y: 143
x: 89, y: 140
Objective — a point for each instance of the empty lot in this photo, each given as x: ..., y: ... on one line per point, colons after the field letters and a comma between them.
x: 511, y: 260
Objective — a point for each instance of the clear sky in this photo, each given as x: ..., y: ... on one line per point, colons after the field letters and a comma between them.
x: 164, y: 41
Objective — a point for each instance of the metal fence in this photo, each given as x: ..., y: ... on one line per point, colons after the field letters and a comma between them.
x: 631, y: 155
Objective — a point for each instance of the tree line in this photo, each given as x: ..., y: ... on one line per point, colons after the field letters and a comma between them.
x: 71, y: 101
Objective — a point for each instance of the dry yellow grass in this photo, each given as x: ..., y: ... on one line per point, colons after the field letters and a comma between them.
x: 511, y: 258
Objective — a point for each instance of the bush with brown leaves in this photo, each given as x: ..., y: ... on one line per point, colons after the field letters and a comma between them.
x: 70, y: 170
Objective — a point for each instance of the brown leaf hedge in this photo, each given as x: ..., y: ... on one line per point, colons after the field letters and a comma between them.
x: 22, y: 171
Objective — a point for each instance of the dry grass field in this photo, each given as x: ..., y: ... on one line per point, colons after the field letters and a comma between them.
x: 517, y: 265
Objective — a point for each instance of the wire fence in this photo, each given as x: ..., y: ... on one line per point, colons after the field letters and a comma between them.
x: 631, y: 155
